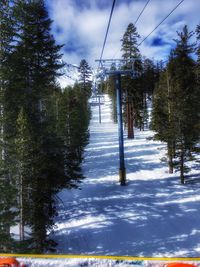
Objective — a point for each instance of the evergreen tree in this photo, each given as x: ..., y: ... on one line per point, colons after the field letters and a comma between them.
x: 85, y: 77
x: 148, y: 80
x: 133, y: 94
x: 111, y: 90
x: 149, y: 76
x: 197, y: 69
x: 74, y: 116
x: 33, y: 68
x: 187, y: 108
x: 198, y: 44
x: 162, y: 119
x: 177, y: 122
x: 24, y: 157
x: 40, y: 133
x: 130, y: 43
x: 7, y: 187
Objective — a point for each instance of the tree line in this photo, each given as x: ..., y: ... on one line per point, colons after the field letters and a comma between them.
x: 173, y: 89
x: 176, y: 103
x: 43, y: 129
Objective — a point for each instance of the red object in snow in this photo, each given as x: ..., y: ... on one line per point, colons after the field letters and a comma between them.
x: 180, y: 264
x: 9, y: 262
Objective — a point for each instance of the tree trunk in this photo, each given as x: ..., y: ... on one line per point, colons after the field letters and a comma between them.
x: 130, y: 121
x: 21, y: 224
x: 170, y: 157
x: 144, y: 121
x: 171, y: 145
x: 182, y: 165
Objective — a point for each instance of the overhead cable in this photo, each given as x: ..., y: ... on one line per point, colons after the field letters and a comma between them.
x: 104, y: 43
x: 162, y: 21
x: 141, y: 12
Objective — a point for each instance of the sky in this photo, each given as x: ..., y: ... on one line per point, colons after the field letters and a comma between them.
x: 81, y: 26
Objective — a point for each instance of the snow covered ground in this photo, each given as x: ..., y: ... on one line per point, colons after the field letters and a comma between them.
x: 92, y: 262
x: 152, y: 216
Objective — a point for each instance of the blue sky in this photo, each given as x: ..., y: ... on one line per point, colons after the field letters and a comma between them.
x: 81, y: 25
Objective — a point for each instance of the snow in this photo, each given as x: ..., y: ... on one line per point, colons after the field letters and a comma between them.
x: 69, y: 75
x: 152, y: 216
x: 92, y: 262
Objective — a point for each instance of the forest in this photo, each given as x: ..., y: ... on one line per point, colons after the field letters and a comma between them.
x: 170, y: 89
x: 43, y: 129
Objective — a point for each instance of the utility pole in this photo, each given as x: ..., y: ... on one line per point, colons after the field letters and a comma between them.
x: 115, y: 67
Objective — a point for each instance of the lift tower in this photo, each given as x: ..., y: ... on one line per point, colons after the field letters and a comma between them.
x: 117, y: 68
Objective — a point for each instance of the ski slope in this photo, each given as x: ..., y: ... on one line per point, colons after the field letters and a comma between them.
x: 154, y: 215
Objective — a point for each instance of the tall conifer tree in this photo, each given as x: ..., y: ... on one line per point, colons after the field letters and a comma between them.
x: 85, y: 77
x: 180, y: 104
x: 132, y: 89
x: 7, y: 186
x: 33, y: 68
x: 187, y: 107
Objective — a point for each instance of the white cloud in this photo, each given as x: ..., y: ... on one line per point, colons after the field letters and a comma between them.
x: 84, y: 28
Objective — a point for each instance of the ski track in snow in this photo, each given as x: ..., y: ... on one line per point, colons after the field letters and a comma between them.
x: 154, y: 215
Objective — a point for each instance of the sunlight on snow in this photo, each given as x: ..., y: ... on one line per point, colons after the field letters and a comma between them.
x: 88, y: 222
x: 152, y: 216
x: 193, y: 198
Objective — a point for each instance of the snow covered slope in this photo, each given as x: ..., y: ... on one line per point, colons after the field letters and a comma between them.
x: 94, y: 262
x: 152, y: 216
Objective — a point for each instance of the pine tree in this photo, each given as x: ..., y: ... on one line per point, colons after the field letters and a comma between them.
x: 198, y: 57
x: 132, y: 87
x: 149, y: 76
x: 162, y: 120
x: 186, y: 115
x: 24, y: 156
x: 179, y: 126
x: 7, y: 186
x: 197, y: 69
x: 33, y: 68
x: 130, y: 43
x: 111, y: 90
x: 148, y: 79
x: 75, y: 116
x: 198, y: 44
x: 85, y: 77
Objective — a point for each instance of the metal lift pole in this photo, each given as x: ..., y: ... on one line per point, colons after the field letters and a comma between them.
x: 122, y: 169
x: 115, y: 67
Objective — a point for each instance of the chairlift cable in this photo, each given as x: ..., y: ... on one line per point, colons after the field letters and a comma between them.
x: 140, y: 14
x: 104, y: 43
x: 162, y: 21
